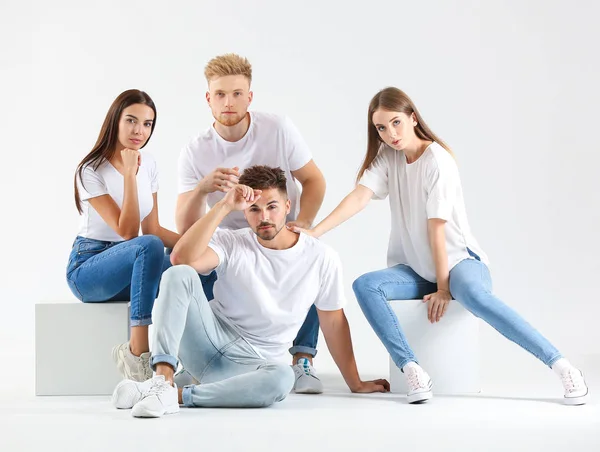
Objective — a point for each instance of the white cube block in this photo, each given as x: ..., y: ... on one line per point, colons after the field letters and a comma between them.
x: 73, y: 344
x: 448, y: 350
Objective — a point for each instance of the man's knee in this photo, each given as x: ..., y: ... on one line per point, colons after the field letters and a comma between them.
x: 277, y: 384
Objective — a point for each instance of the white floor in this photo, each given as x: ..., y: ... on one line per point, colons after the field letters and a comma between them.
x: 510, y: 414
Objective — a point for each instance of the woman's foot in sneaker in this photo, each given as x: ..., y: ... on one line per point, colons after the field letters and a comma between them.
x: 576, y: 391
x: 419, y: 383
x: 131, y: 367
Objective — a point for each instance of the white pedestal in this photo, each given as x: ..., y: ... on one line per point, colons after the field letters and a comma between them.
x: 448, y: 350
x: 73, y: 344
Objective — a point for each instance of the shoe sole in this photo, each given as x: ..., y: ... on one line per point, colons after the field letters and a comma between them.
x: 308, y: 391
x: 154, y: 414
x: 420, y: 397
x: 574, y: 401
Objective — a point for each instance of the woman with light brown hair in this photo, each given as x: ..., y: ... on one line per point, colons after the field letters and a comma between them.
x: 116, y: 189
x: 432, y: 253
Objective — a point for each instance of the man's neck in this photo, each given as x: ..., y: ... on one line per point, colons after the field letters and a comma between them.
x: 283, y: 241
x: 233, y: 133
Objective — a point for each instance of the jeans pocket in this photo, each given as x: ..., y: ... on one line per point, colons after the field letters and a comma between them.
x: 87, y: 248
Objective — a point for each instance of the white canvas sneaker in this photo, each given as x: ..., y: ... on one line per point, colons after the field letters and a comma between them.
x: 419, y: 383
x: 307, y: 381
x: 576, y: 391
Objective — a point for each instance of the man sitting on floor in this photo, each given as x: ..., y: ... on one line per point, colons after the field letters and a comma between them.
x: 236, y: 345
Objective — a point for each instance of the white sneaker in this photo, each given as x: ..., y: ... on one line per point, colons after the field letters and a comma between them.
x: 128, y: 392
x: 307, y: 381
x: 136, y: 368
x: 419, y: 383
x: 576, y: 391
x: 160, y: 399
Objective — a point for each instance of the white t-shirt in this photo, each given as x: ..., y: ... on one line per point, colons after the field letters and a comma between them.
x: 266, y: 294
x: 427, y: 188
x: 270, y: 140
x: 107, y: 180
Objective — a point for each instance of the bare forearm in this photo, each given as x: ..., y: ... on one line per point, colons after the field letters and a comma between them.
x: 168, y: 237
x: 313, y: 192
x: 191, y: 210
x: 339, y: 342
x: 194, y: 242
x: 437, y: 239
x: 129, y: 218
x: 353, y: 203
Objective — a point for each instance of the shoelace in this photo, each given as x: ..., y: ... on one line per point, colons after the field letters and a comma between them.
x: 414, y: 379
x: 157, y: 387
x: 146, y: 367
x: 572, y: 381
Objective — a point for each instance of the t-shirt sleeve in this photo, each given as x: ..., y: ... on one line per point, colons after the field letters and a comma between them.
x: 442, y: 184
x: 375, y: 176
x: 222, y: 243
x: 187, y: 177
x: 331, y: 295
x: 296, y: 149
x: 91, y: 184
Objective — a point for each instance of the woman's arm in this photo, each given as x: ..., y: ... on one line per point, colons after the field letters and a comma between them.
x: 438, y: 302
x: 126, y: 220
x: 151, y: 225
x: 353, y: 203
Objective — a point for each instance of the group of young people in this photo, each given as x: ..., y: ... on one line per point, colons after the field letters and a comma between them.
x: 245, y: 276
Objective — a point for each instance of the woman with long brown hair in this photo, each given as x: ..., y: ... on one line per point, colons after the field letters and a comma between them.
x: 116, y: 189
x: 432, y: 253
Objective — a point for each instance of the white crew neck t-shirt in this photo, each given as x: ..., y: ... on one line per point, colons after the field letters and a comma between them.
x: 107, y: 180
x: 271, y: 140
x: 428, y: 188
x: 265, y: 294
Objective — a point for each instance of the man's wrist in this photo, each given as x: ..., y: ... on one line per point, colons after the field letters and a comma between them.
x: 222, y: 206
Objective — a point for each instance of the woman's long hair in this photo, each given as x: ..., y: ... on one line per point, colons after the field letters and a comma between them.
x: 106, y: 144
x: 393, y: 99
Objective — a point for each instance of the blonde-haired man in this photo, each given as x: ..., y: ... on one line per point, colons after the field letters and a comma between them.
x: 211, y: 163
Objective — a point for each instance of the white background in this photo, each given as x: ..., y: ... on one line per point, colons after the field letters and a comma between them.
x: 512, y: 86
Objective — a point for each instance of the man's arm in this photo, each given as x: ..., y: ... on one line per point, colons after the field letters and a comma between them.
x: 192, y: 248
x: 191, y: 205
x: 337, y: 335
x: 313, y: 192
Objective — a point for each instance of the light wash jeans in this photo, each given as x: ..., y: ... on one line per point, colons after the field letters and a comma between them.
x: 470, y: 285
x: 100, y: 271
x: 230, y: 372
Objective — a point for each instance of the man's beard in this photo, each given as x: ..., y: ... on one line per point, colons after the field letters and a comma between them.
x: 229, y: 120
x: 268, y: 234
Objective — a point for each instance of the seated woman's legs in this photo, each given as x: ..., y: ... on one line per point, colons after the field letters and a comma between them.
x: 134, y: 266
x: 373, y: 291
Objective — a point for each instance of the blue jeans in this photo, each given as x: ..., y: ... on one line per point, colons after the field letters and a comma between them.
x: 306, y: 340
x: 118, y: 271
x: 230, y: 372
x: 470, y: 285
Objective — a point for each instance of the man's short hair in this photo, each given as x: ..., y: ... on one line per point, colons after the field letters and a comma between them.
x: 262, y: 177
x: 228, y: 64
